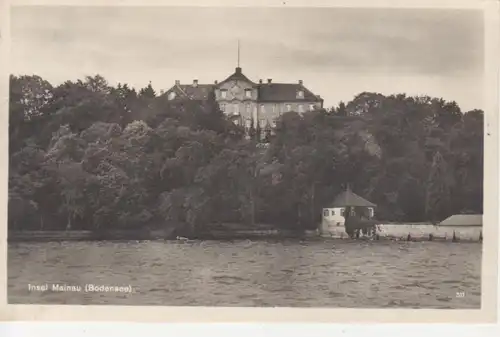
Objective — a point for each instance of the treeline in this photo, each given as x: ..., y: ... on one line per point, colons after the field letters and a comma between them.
x: 87, y: 155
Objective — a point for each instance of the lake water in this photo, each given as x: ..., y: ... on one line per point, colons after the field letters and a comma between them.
x: 349, y: 274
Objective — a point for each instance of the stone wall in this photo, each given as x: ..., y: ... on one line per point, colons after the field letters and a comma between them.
x: 417, y: 231
x: 424, y: 231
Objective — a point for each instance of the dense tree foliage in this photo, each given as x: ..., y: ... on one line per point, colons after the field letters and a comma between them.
x: 87, y: 155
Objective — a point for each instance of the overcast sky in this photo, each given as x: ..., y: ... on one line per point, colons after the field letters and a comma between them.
x: 338, y: 53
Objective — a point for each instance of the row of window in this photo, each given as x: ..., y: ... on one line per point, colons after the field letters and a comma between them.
x: 262, y: 123
x: 223, y: 93
x: 248, y: 94
x: 326, y: 212
x: 275, y: 108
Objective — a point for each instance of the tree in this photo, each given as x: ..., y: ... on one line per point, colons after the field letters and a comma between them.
x: 147, y: 92
x: 438, y: 189
x: 341, y: 110
x: 88, y: 155
x: 28, y: 100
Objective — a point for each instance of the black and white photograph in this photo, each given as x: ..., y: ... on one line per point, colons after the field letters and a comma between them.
x: 219, y: 156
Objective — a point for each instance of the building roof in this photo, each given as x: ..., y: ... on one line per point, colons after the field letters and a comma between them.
x: 198, y: 92
x: 349, y: 198
x: 463, y: 220
x: 237, y: 76
x: 284, y: 92
x: 267, y: 92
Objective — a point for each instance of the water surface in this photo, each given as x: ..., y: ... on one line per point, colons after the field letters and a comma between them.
x: 349, y: 274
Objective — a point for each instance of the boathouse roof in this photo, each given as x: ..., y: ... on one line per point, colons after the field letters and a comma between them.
x: 463, y: 220
x: 349, y: 198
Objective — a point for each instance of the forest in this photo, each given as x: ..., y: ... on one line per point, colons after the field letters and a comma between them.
x: 86, y: 155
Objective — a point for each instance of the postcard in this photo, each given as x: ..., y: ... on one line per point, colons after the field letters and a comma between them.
x: 291, y: 161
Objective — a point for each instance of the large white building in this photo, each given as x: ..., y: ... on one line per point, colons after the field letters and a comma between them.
x: 247, y: 102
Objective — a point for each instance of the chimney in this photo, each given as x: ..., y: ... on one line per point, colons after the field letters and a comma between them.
x: 300, y: 82
x: 177, y: 82
x: 195, y: 83
x: 216, y: 82
x: 269, y: 80
x: 238, y: 70
x: 260, y: 81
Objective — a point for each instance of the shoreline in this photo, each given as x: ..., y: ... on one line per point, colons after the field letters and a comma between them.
x: 89, y: 236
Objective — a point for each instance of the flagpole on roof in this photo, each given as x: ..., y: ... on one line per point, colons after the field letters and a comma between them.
x: 238, y: 53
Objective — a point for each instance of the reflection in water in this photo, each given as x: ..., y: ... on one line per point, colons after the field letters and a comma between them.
x: 210, y: 273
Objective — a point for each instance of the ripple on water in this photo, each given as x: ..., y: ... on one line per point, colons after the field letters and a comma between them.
x: 451, y: 281
x: 257, y: 273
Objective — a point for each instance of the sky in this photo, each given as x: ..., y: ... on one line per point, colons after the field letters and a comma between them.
x: 337, y: 52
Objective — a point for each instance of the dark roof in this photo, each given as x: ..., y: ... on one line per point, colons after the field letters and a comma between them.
x: 198, y: 92
x: 284, y: 92
x: 237, y: 76
x: 267, y: 92
x: 349, y: 198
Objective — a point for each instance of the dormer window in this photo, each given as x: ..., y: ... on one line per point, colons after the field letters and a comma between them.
x: 300, y: 94
x: 223, y: 93
x: 171, y: 95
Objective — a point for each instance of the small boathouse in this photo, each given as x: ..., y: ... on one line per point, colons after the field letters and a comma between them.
x: 333, y: 218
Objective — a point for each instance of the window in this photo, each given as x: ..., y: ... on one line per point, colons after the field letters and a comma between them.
x: 325, y: 212
x: 262, y: 108
x: 171, y: 95
x: 262, y: 123
x: 342, y: 212
x: 333, y: 212
x: 273, y: 123
x: 275, y: 108
x: 248, y: 93
x: 236, y: 122
x: 300, y: 94
x: 301, y: 108
x: 288, y: 108
x: 311, y: 107
x: 248, y: 123
x: 236, y: 109
x: 249, y: 108
x: 223, y: 93
x: 222, y: 107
